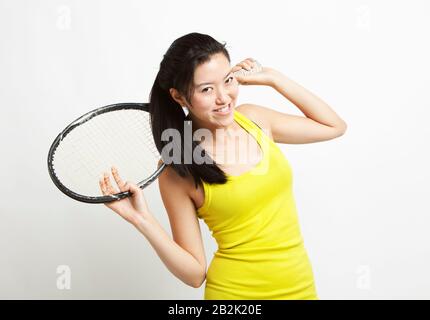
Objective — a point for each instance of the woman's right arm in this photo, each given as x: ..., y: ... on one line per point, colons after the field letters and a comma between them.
x: 179, y: 261
x: 183, y: 255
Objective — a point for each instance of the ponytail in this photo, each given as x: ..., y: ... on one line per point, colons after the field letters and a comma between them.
x: 166, y: 113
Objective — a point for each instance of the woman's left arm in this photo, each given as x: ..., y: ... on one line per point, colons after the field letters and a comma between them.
x: 321, y: 122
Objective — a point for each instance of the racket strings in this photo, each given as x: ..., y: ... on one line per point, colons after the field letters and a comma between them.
x: 120, y: 138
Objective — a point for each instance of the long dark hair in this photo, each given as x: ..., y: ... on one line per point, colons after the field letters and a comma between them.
x: 177, y: 68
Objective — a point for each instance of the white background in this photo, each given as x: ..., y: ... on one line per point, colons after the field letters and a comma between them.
x: 362, y: 198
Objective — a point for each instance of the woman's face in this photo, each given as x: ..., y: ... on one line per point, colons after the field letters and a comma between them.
x: 215, y: 87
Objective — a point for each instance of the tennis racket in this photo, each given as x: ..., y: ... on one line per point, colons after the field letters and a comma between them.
x: 117, y: 134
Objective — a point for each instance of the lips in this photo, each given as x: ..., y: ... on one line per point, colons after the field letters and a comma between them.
x: 223, y: 109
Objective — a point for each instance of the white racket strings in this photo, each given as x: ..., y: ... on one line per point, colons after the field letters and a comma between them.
x: 120, y: 138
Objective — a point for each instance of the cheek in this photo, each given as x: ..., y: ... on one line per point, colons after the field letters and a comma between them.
x: 202, y: 99
x: 235, y: 90
x: 202, y: 103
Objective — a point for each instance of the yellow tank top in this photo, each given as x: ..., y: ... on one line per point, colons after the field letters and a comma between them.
x: 253, y: 218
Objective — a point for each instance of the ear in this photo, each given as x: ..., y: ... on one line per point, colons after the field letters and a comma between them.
x: 177, y: 96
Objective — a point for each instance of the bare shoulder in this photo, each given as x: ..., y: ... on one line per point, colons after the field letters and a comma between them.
x: 181, y: 189
x: 257, y: 114
x: 175, y: 181
x: 249, y: 110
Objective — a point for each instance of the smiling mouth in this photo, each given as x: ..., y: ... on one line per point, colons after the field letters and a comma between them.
x: 223, y: 109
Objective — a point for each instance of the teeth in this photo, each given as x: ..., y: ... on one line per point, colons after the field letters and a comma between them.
x: 222, y: 109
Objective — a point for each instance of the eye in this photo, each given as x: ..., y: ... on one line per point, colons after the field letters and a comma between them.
x: 228, y: 81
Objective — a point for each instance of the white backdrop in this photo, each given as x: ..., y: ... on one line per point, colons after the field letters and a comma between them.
x: 362, y: 198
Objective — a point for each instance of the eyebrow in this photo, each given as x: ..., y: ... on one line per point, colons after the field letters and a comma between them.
x: 201, y: 84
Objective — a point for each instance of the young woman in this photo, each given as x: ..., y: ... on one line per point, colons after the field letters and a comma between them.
x: 249, y: 207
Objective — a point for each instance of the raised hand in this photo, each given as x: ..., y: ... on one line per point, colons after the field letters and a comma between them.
x: 250, y: 72
x: 134, y: 209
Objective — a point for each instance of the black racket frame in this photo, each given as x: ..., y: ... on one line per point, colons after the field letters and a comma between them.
x: 79, y: 121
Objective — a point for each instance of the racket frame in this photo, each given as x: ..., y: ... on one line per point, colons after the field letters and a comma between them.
x: 79, y: 121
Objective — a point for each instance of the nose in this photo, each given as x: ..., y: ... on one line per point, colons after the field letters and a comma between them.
x: 223, y: 97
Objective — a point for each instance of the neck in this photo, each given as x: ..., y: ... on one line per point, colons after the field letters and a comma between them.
x: 197, y: 124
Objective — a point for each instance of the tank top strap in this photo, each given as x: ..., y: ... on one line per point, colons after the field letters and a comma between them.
x: 257, y: 132
x: 245, y: 121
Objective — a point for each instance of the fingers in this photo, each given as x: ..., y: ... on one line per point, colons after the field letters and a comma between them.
x: 102, y: 186
x: 246, y: 64
x: 131, y: 187
x: 134, y: 188
x: 118, y: 180
x: 105, y: 185
x: 108, y: 186
x: 236, y: 68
